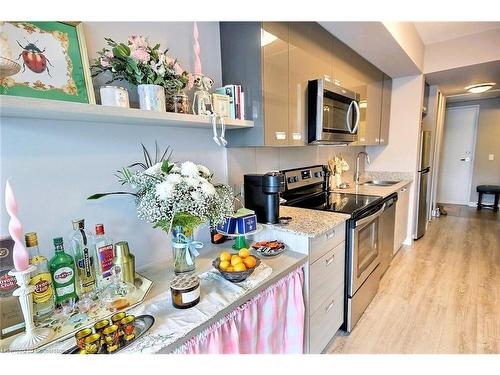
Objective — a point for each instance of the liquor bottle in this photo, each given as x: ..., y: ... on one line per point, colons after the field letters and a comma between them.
x: 43, y: 296
x: 62, y: 268
x: 84, y: 253
x: 105, y: 254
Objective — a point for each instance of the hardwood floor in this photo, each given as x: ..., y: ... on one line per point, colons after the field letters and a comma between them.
x: 440, y: 295
x: 472, y: 212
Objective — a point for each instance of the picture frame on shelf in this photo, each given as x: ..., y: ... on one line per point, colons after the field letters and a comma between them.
x: 53, y: 61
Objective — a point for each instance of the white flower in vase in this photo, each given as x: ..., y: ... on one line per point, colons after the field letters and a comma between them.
x: 192, y: 181
x: 173, y: 178
x: 208, y: 189
x: 165, y: 190
x: 205, y: 172
x: 188, y: 168
x: 153, y: 170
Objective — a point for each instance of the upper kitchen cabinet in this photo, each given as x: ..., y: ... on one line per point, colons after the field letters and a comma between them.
x: 353, y: 72
x: 385, y: 115
x: 310, y: 54
x: 256, y: 56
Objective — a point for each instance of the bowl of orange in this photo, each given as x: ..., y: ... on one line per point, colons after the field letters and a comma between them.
x: 236, y: 267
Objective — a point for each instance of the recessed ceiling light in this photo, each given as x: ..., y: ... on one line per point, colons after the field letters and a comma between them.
x: 480, y: 87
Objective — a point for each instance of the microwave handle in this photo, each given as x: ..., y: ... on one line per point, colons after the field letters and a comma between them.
x: 356, y: 107
x: 348, y: 118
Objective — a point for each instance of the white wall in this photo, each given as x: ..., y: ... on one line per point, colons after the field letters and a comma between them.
x: 54, y: 165
x: 401, y: 154
x: 467, y: 50
x: 406, y: 34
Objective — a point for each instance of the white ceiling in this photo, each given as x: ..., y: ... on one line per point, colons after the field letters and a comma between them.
x: 433, y: 32
x: 453, y: 81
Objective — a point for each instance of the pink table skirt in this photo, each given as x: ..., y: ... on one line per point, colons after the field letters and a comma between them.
x: 272, y: 322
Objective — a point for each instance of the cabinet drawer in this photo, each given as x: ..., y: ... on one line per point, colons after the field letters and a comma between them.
x: 320, y: 245
x: 326, y: 275
x: 326, y: 321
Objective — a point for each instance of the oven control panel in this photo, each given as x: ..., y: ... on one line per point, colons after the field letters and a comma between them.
x: 302, y: 177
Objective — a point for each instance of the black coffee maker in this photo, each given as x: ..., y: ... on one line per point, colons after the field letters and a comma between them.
x: 262, y: 194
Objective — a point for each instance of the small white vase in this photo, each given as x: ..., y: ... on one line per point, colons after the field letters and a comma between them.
x: 151, y: 97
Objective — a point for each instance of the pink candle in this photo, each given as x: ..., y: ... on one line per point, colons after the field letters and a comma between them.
x: 197, y: 50
x: 20, y: 254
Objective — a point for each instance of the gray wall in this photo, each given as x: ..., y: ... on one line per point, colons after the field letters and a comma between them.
x: 487, y: 142
x: 54, y: 165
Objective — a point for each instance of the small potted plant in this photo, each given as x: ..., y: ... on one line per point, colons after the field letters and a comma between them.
x: 148, y: 67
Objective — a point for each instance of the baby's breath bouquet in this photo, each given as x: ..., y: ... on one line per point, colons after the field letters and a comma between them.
x: 175, y: 197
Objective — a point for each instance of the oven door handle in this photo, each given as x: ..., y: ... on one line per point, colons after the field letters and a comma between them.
x: 369, y: 218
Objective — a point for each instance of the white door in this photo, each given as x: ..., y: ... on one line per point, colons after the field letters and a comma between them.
x: 457, y: 153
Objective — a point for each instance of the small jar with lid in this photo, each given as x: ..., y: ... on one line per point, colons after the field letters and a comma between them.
x: 185, y: 290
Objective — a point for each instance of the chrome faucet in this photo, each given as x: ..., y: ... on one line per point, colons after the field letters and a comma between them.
x: 356, y: 171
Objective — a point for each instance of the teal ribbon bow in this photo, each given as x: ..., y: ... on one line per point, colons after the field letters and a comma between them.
x: 184, y: 242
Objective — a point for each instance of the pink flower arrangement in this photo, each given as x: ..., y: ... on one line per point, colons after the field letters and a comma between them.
x: 138, y: 63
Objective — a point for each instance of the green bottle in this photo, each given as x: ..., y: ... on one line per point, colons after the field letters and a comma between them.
x: 62, y: 269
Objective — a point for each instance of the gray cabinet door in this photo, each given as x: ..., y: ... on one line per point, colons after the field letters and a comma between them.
x: 385, y: 116
x: 373, y: 104
x: 275, y: 82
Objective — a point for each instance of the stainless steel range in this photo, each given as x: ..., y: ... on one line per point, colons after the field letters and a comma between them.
x: 308, y: 188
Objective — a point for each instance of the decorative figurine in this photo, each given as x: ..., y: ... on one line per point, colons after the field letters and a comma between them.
x: 202, y: 101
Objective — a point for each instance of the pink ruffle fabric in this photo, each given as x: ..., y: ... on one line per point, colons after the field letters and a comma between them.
x: 270, y: 323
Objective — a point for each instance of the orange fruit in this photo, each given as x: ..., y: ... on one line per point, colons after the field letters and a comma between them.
x: 250, y: 262
x: 244, y: 252
x: 235, y: 259
x: 224, y: 265
x: 239, y: 267
x: 230, y: 269
x: 225, y: 256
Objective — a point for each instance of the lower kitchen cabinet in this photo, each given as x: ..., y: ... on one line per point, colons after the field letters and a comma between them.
x: 326, y: 288
x: 401, y: 224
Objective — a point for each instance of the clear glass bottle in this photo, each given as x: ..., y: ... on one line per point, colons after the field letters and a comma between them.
x: 62, y: 269
x: 84, y: 252
x: 43, y: 296
x: 105, y: 254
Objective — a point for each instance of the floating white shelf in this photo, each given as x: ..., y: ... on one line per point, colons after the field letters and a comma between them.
x: 20, y: 107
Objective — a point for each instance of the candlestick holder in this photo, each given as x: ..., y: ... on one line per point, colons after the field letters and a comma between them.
x: 33, y: 337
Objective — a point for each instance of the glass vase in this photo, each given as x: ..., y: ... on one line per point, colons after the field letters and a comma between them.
x: 151, y: 97
x: 177, y: 103
x: 183, y: 259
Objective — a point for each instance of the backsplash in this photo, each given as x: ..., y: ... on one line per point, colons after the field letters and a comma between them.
x: 243, y: 160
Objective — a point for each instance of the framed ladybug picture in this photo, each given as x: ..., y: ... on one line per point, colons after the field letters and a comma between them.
x: 47, y: 60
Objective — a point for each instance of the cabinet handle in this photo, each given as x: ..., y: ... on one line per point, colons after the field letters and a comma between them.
x: 329, y: 307
x: 296, y: 136
x: 280, y: 135
x: 381, y: 140
x: 376, y: 140
x: 362, y: 139
x: 330, y: 235
x: 330, y: 260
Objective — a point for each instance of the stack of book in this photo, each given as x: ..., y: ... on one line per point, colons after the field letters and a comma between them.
x: 236, y: 100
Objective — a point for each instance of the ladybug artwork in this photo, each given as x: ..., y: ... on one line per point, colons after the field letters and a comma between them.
x: 34, y: 59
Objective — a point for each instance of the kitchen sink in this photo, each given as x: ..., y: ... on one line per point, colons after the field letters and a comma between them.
x: 380, y: 183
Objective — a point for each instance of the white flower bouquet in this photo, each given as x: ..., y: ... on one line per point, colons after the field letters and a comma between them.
x: 171, y: 195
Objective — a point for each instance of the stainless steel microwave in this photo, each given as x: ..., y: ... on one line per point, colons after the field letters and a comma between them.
x: 333, y: 113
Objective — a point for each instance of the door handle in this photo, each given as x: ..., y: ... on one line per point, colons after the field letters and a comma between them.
x: 330, y: 260
x: 329, y: 307
x: 330, y: 235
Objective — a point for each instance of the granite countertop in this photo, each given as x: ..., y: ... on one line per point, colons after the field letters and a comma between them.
x: 309, y: 223
x: 383, y: 191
